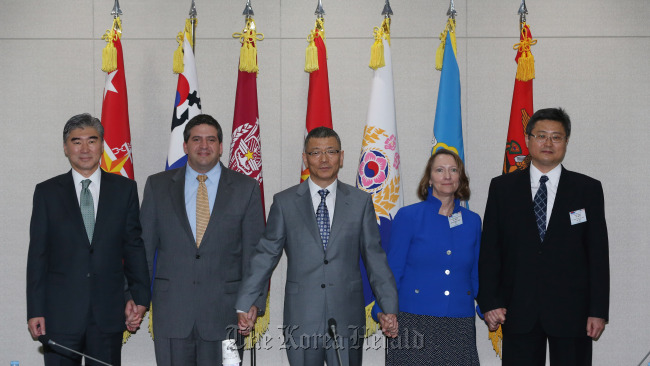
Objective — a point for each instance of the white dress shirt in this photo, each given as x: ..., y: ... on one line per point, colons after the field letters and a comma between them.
x: 551, y: 186
x: 329, y: 200
x: 95, y: 182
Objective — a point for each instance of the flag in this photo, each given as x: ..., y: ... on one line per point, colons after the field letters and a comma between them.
x: 188, y: 101
x: 117, y: 157
x: 319, y: 110
x: 379, y: 172
x: 448, y: 124
x: 516, y: 155
x: 245, y: 147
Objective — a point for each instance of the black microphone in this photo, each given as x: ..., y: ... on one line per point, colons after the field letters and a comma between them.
x: 331, y: 326
x: 48, y: 342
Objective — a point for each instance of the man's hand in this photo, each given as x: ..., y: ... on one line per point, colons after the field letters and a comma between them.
x: 388, y: 324
x: 494, y: 318
x: 595, y: 327
x: 134, y: 315
x: 247, y: 321
x: 36, y: 326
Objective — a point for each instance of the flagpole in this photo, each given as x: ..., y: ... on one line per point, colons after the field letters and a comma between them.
x: 523, y: 11
x: 192, y: 15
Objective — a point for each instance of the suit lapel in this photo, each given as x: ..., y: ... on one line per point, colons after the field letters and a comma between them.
x: 305, y: 208
x: 106, y: 192
x: 561, y: 198
x: 177, y: 194
x: 523, y: 195
x: 340, y: 210
x: 71, y: 204
x: 221, y: 202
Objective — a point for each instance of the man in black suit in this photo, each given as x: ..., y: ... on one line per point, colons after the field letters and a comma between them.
x: 544, y: 262
x: 84, y: 241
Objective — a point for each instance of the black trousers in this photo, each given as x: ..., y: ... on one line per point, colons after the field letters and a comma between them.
x: 106, y: 347
x: 529, y: 349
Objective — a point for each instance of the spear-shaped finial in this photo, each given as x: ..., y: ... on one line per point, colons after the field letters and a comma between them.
x: 387, y: 10
x: 192, y: 13
x: 248, y: 10
x: 451, y: 13
x: 116, y: 12
x: 319, y: 10
x: 522, y: 11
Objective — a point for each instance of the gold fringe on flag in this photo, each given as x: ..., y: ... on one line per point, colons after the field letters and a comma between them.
x: 311, y: 53
x: 371, y: 325
x: 109, y: 53
x: 261, y: 326
x: 248, y: 51
x: 151, y: 320
x: 186, y: 33
x: 496, y: 338
x: 526, y: 62
x: 377, y: 50
x: 450, y: 28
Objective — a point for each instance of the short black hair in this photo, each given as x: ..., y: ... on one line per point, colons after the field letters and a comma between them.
x: 551, y: 114
x: 82, y: 121
x: 202, y: 119
x: 320, y: 133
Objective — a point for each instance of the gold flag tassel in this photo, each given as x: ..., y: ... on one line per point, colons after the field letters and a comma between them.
x: 179, y: 65
x: 109, y: 53
x: 371, y: 325
x: 377, y: 59
x: 526, y: 62
x: 450, y: 28
x: 311, y: 53
x: 248, y: 51
x: 496, y: 338
x: 261, y: 326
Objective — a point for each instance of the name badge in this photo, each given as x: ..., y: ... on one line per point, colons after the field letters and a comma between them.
x: 578, y: 216
x: 455, y: 220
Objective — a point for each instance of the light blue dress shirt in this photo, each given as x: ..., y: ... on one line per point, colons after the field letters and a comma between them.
x: 191, y: 187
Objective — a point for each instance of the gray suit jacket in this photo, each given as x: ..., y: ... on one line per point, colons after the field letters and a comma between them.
x: 199, y: 286
x: 322, y: 284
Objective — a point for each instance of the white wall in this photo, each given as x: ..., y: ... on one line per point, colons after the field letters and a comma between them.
x: 591, y: 58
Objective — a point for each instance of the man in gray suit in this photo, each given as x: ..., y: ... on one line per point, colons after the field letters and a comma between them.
x: 323, y: 277
x: 200, y: 224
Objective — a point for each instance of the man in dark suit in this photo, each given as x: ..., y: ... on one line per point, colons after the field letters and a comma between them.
x: 323, y: 277
x: 84, y: 241
x: 544, y: 262
x: 200, y: 226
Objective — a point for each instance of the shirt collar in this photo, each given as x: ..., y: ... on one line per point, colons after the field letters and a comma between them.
x: 95, y: 177
x: 314, y: 188
x: 553, y: 175
x: 213, y: 174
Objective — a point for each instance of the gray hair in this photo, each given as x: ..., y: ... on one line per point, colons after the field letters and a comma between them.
x: 82, y: 121
x: 319, y: 133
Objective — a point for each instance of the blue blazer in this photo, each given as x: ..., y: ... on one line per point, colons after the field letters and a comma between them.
x: 435, y: 266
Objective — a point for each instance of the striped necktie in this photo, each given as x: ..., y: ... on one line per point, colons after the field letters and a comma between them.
x: 540, y: 206
x: 202, y: 209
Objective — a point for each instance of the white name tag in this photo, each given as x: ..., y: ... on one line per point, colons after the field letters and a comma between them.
x: 455, y: 220
x: 578, y: 216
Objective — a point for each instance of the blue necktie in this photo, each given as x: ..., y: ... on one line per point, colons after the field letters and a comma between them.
x: 540, y: 206
x: 323, y: 218
x: 87, y: 208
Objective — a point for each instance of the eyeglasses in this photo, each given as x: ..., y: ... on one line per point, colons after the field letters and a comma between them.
x: 328, y: 153
x: 542, y: 138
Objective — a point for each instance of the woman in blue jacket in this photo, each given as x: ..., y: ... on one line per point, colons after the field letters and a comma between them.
x: 433, y: 253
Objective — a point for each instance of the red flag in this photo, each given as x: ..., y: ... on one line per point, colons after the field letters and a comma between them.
x: 115, y: 119
x: 516, y: 154
x: 245, y: 147
x: 319, y: 110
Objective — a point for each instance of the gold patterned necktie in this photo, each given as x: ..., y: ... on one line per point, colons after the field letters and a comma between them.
x: 202, y: 209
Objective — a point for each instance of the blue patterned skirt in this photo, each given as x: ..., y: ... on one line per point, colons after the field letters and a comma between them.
x: 430, y: 340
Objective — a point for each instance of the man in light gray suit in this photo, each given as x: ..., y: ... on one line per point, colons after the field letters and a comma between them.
x: 323, y: 277
x: 200, y: 225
